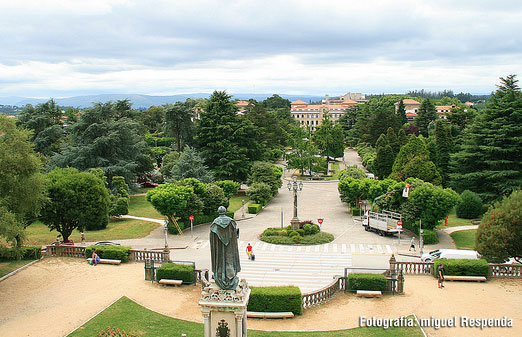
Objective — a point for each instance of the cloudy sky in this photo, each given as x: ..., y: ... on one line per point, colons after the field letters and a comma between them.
x: 60, y: 48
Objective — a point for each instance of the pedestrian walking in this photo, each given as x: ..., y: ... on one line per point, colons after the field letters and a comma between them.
x: 249, y: 251
x: 412, y: 244
x: 83, y: 237
x: 440, y: 275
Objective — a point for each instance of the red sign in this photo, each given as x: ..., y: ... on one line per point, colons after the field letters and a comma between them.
x: 191, y: 218
x: 399, y: 223
x: 407, y: 185
x: 320, y: 221
x: 360, y: 202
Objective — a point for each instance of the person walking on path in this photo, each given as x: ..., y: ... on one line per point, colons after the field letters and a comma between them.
x: 83, y: 237
x: 412, y: 244
x: 440, y: 276
x: 249, y: 251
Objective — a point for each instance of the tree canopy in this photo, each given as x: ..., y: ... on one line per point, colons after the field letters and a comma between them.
x: 426, y: 114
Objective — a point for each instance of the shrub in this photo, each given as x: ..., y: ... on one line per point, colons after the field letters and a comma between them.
x: 356, y: 212
x: 317, y: 238
x: 292, y: 233
x: 301, y: 232
x: 109, y: 252
x: 364, y: 281
x: 284, y: 232
x: 315, y: 229
x: 430, y: 237
x: 277, y: 240
x: 296, y: 238
x: 172, y: 271
x: 471, y: 205
x: 25, y: 253
x: 271, y: 232
x: 276, y: 299
x: 254, y: 208
x: 260, y: 193
x: 229, y: 187
x: 462, y: 267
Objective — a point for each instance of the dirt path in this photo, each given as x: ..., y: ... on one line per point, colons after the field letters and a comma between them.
x: 54, y: 296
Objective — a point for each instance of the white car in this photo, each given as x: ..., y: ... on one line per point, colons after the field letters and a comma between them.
x: 450, y: 254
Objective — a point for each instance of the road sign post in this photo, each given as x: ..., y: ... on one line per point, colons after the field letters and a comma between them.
x: 399, y: 227
x: 360, y: 206
x: 320, y: 220
x: 191, y: 218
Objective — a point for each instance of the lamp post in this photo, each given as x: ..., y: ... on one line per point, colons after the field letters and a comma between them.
x: 165, y: 227
x: 293, y: 186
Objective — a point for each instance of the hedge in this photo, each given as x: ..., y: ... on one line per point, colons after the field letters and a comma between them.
x: 365, y: 281
x: 462, y: 267
x: 356, y: 212
x: 25, y: 253
x: 109, y: 252
x: 276, y: 299
x: 172, y: 271
x: 430, y: 237
x: 284, y: 236
x: 254, y: 208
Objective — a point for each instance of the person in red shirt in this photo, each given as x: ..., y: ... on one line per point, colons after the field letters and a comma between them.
x: 249, y: 251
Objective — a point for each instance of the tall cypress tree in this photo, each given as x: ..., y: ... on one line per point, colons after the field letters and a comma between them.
x: 384, y: 157
x: 445, y: 146
x: 427, y: 114
x: 401, y: 113
x: 490, y: 158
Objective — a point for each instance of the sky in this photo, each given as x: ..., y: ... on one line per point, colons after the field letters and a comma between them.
x: 62, y: 48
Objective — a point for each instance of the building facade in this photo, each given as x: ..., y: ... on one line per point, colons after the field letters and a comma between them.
x: 312, y: 114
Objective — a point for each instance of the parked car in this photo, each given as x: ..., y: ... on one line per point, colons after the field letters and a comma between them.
x: 56, y: 243
x: 107, y: 243
x: 450, y: 254
x: 144, y: 182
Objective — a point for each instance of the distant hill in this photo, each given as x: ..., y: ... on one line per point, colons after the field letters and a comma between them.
x: 140, y: 101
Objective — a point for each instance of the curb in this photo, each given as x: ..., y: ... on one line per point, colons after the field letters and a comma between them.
x: 19, y: 269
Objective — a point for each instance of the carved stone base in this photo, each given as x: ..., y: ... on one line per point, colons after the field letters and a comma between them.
x: 224, y: 311
x: 295, y: 223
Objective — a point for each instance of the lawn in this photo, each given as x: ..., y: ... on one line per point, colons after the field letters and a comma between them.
x: 139, y: 206
x: 8, y: 266
x: 464, y: 239
x: 39, y: 234
x: 235, y: 203
x: 454, y: 221
x: 148, y: 323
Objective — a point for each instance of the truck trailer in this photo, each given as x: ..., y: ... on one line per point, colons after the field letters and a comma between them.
x: 384, y: 223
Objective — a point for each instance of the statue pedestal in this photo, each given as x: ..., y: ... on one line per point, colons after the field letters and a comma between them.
x: 224, y: 311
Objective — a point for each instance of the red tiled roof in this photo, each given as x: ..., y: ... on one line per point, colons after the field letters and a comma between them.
x: 242, y: 103
x: 408, y: 101
x: 348, y: 101
x: 298, y: 102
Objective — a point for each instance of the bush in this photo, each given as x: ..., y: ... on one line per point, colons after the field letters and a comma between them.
x: 317, y: 238
x: 356, y: 212
x: 260, y: 193
x: 364, y: 281
x: 296, y: 238
x: 270, y: 232
x: 109, y: 252
x: 289, y: 237
x: 283, y: 232
x: 471, y: 205
x: 462, y: 267
x: 229, y: 187
x: 430, y: 237
x: 292, y: 233
x: 276, y: 299
x: 172, y: 271
x: 277, y: 240
x: 301, y: 232
x: 25, y: 253
x: 254, y: 208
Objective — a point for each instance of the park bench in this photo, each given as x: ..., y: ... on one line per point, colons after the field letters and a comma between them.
x: 166, y: 282
x: 106, y: 261
x: 256, y: 314
x: 465, y: 278
x: 369, y: 293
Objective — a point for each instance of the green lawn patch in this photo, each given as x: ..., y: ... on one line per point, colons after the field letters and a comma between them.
x: 148, y: 323
x: 235, y: 203
x: 8, y: 266
x: 454, y: 221
x: 464, y: 239
x: 117, y: 229
x: 139, y: 206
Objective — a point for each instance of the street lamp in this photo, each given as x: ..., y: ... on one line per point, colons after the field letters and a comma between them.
x: 165, y: 226
x: 293, y: 186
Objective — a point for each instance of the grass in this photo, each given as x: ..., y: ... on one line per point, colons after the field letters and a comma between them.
x: 139, y: 206
x: 8, y: 266
x: 454, y: 221
x: 39, y: 234
x: 148, y: 323
x: 464, y: 239
x: 235, y: 203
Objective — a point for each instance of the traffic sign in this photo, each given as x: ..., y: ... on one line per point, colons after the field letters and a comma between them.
x: 399, y: 223
x: 408, y: 185
x: 191, y: 218
x: 360, y: 202
x: 320, y: 221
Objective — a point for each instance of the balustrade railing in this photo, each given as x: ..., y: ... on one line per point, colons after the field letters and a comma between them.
x: 505, y: 270
x: 418, y: 268
x: 65, y: 251
x: 142, y: 255
x: 201, y: 276
x: 324, y: 294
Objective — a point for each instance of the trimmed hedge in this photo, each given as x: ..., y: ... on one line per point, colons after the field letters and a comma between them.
x: 287, y: 236
x: 430, y: 237
x: 254, y: 208
x: 172, y: 271
x: 276, y: 299
x: 109, y: 252
x: 462, y: 267
x: 25, y: 253
x: 365, y: 281
x: 356, y: 212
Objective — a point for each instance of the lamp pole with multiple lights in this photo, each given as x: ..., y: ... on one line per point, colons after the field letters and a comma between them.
x: 293, y: 186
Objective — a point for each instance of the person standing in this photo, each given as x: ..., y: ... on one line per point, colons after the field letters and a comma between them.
x: 83, y: 237
x: 440, y: 275
x: 412, y: 244
x: 249, y: 251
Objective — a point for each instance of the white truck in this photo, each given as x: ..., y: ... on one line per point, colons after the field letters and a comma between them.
x: 384, y: 223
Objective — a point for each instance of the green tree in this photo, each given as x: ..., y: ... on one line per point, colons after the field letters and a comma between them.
x: 426, y: 114
x: 178, y: 119
x: 213, y: 198
x: 229, y: 187
x: 401, y: 113
x: 384, y: 159
x: 489, y: 160
x: 270, y: 134
x: 76, y: 200
x: 191, y: 165
x: 352, y: 172
x: 329, y: 138
x: 261, y: 193
x: 46, y: 122
x: 461, y: 116
x: 225, y: 140
x: 120, y: 197
x: 276, y: 102
x: 414, y: 161
x: 170, y: 199
x: 107, y: 137
x: 347, y: 122
x: 303, y: 155
x: 445, y: 146
x: 153, y: 118
x: 470, y: 206
x: 168, y: 162
x: 22, y: 191
x: 499, y: 235
x: 263, y: 172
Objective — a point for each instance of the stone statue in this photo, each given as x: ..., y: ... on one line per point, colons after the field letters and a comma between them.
x: 224, y: 251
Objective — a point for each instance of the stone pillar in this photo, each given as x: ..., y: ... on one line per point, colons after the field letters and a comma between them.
x: 224, y: 311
